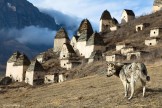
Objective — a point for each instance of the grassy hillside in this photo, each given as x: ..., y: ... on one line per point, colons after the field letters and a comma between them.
x: 96, y: 91
x: 127, y: 34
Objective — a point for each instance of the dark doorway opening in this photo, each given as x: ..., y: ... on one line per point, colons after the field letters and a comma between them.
x: 139, y: 28
x: 133, y: 57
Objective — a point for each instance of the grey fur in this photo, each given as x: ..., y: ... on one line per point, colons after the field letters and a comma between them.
x: 129, y: 74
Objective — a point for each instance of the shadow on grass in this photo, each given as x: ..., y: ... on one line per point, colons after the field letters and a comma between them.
x: 157, y: 90
x: 149, y: 91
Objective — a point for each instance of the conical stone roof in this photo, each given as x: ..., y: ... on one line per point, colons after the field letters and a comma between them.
x: 61, y: 34
x: 106, y: 15
x: 85, y: 30
x: 22, y: 61
x: 115, y: 21
x: 35, y: 66
x: 129, y: 12
x: 95, y: 39
x: 14, y: 57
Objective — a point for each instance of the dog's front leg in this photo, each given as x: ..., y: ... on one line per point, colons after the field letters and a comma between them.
x: 132, y: 85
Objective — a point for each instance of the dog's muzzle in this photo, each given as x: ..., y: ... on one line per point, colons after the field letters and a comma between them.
x: 108, y: 75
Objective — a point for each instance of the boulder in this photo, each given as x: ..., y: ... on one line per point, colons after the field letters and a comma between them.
x: 6, y: 81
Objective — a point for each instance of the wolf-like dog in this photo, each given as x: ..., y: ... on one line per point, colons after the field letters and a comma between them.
x: 129, y: 73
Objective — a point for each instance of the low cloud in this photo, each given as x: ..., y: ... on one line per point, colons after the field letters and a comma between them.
x: 35, y: 35
x: 69, y: 22
x: 29, y: 35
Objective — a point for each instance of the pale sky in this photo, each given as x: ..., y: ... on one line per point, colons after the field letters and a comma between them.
x: 92, y: 9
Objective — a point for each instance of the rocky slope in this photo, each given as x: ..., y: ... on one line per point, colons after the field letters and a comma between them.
x: 127, y: 34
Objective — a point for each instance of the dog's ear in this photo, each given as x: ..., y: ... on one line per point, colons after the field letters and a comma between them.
x: 107, y: 63
x: 110, y: 64
x: 113, y: 64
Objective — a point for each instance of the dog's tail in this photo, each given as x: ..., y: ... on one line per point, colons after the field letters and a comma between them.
x: 147, y: 78
x: 144, y: 71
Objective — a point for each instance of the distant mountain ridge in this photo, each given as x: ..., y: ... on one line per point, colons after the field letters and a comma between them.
x: 21, y: 13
